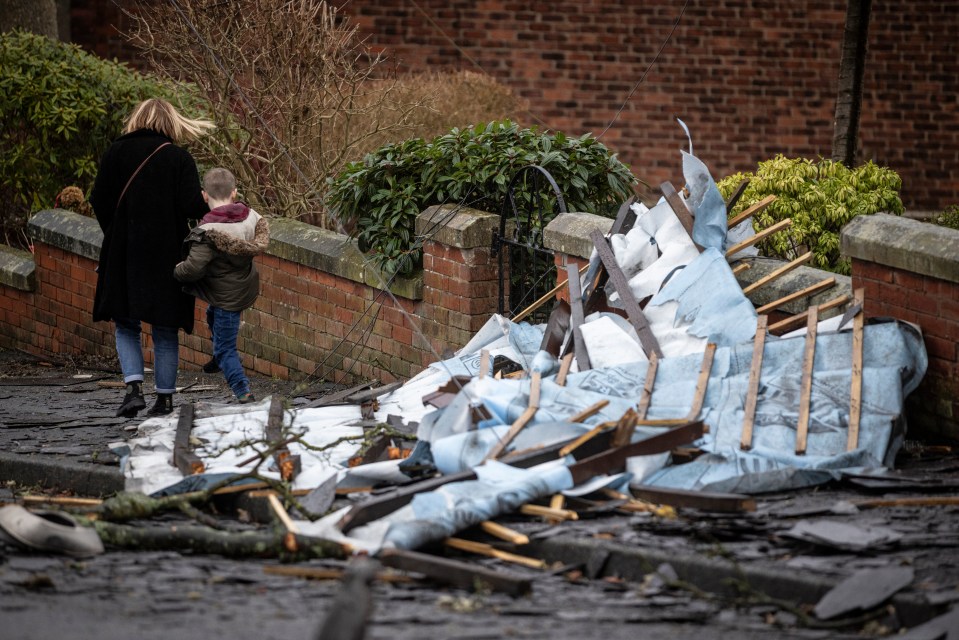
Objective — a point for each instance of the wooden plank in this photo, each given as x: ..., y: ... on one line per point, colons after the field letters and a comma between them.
x: 799, y: 318
x: 497, y: 530
x: 752, y: 391
x: 734, y: 198
x: 702, y: 383
x: 768, y: 231
x: 614, y: 460
x: 281, y: 514
x: 490, y: 551
x: 576, y: 319
x: 805, y: 393
x: 625, y: 217
x: 336, y: 398
x: 703, y: 500
x: 588, y: 412
x: 455, y: 573
x: 564, y: 366
x: 855, y: 392
x: 548, y: 512
x: 183, y: 457
x: 586, y: 437
x: 801, y: 260
x: 808, y: 291
x: 750, y: 211
x: 678, y: 206
x: 742, y: 266
x: 633, y: 312
x: 625, y: 428
x: 484, y: 364
x: 546, y: 297
x: 647, y: 396
x: 521, y: 421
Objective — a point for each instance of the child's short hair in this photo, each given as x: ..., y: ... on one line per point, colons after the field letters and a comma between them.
x: 219, y: 183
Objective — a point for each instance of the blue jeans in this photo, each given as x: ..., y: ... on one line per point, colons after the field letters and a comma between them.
x: 224, y: 326
x: 166, y: 353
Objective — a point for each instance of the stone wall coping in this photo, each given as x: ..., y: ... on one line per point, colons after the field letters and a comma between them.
x: 569, y: 233
x: 17, y: 269
x: 457, y: 226
x: 68, y: 231
x: 298, y: 242
x: 911, y: 245
x: 336, y: 254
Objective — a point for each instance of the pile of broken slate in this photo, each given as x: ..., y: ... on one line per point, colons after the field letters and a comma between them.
x: 653, y: 352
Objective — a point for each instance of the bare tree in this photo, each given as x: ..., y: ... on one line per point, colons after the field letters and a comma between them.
x: 294, y: 92
x: 851, y: 68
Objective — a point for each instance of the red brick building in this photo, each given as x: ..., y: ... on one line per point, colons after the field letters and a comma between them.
x: 752, y: 78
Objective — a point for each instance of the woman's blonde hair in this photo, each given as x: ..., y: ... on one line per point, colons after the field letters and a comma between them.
x: 162, y: 117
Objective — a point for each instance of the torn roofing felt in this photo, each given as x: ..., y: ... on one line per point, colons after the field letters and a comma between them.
x: 705, y: 327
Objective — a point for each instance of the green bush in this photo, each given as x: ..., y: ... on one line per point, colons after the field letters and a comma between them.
x: 380, y: 197
x: 820, y: 198
x: 948, y: 218
x: 59, y: 110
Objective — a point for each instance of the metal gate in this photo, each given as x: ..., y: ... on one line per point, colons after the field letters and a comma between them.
x: 527, y: 270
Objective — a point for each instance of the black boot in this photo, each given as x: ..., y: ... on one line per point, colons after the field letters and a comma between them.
x: 162, y: 406
x: 211, y: 366
x: 133, y: 401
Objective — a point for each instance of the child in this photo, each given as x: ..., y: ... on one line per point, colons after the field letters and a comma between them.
x: 219, y: 267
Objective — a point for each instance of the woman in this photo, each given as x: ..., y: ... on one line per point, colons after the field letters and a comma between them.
x: 145, y: 191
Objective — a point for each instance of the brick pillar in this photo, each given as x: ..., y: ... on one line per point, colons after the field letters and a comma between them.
x: 909, y: 270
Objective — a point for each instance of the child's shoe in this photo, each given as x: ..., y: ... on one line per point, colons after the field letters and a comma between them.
x: 245, y: 398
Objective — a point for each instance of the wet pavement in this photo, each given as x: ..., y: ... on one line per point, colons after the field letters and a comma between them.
x: 613, y: 574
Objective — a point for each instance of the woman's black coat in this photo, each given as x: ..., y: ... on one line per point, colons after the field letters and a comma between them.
x: 143, y: 236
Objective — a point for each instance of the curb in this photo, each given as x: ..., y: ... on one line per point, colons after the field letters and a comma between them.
x: 603, y: 558
x: 61, y: 474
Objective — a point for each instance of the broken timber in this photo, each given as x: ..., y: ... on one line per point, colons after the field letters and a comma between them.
x: 752, y: 393
x: 679, y: 207
x: 806, y: 257
x: 647, y: 395
x: 750, y: 241
x: 633, y: 312
x: 286, y: 463
x: 750, y: 211
x: 702, y: 500
x: 809, y: 358
x: 521, y: 421
x: 855, y: 392
x: 799, y: 318
x: 183, y: 458
x: 577, y: 319
x: 383, y: 505
x: 808, y: 291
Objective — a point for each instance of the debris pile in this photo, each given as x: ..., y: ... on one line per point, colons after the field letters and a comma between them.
x: 654, y: 375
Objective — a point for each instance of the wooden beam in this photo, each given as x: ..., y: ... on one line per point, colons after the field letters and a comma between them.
x: 703, y: 500
x: 588, y: 412
x: 855, y: 392
x: 806, y: 257
x: 520, y: 422
x: 702, y: 383
x: 750, y: 211
x: 625, y: 428
x: 484, y: 364
x: 183, y: 457
x: 799, y: 318
x: 564, y: 366
x: 808, y: 291
x: 742, y: 266
x: 805, y: 393
x: 483, y: 549
x: 546, y: 297
x: 647, y: 396
x: 586, y: 437
x: 576, y: 318
x: 548, y: 512
x: 752, y: 391
x: 625, y: 218
x: 633, y: 312
x: 762, y: 235
x: 504, y: 533
x: 281, y: 514
x: 679, y: 207
x: 734, y: 198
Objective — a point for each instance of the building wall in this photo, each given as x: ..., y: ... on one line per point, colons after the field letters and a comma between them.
x: 751, y: 78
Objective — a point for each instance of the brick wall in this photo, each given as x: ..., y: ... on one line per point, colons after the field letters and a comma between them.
x: 752, y: 78
x: 322, y: 313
